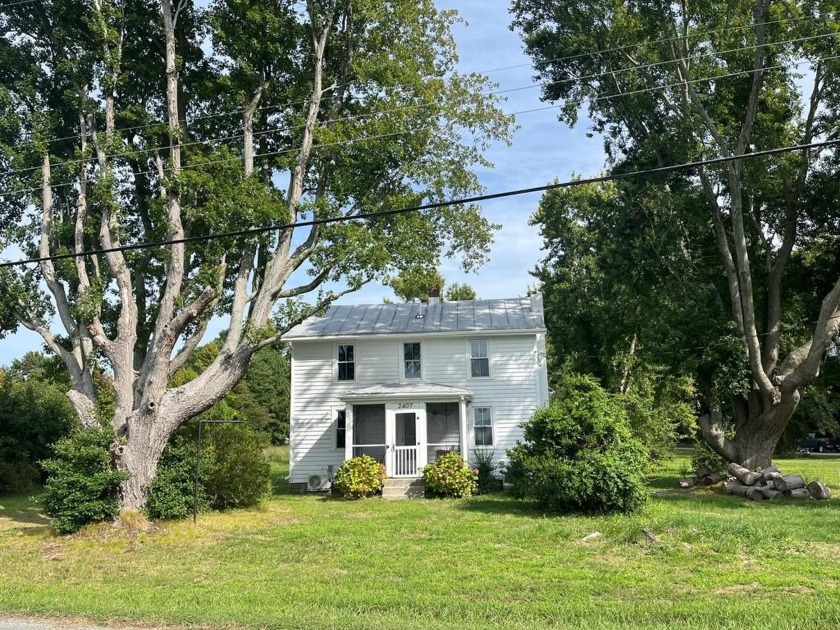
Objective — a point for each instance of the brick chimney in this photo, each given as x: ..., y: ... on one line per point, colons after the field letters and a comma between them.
x: 434, y: 295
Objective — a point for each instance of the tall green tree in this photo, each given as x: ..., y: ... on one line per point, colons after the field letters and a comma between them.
x: 129, y: 122
x: 670, y: 83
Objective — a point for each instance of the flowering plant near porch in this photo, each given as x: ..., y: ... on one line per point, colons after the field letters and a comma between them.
x: 359, y: 477
x: 450, y: 476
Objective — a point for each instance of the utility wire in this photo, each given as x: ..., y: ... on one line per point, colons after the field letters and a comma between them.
x: 569, y: 57
x: 14, y: 4
x: 577, y: 102
x: 665, y: 40
x: 429, y: 206
x: 656, y: 64
x: 422, y: 105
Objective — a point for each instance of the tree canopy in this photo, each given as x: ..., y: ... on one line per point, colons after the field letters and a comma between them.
x: 702, y: 270
x: 125, y: 123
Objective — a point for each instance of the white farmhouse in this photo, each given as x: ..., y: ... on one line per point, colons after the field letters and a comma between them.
x: 407, y: 382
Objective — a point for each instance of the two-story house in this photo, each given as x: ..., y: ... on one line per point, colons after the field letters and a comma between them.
x: 407, y: 382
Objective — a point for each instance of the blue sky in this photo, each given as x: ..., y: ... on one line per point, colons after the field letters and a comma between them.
x: 543, y: 149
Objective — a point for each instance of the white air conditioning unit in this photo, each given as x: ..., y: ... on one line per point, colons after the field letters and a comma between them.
x: 320, y: 482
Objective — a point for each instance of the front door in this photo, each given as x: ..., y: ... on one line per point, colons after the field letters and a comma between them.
x: 406, y: 436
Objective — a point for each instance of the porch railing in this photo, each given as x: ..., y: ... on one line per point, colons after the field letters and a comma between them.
x: 405, y: 461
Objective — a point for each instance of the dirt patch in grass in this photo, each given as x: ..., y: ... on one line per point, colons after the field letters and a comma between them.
x: 738, y: 589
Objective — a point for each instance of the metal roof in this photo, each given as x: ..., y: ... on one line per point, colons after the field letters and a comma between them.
x: 513, y: 314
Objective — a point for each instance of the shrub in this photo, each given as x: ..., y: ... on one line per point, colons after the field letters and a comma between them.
x: 450, y: 476
x: 234, y: 472
x: 705, y: 457
x: 81, y: 484
x: 486, y: 468
x: 173, y: 491
x: 34, y: 414
x: 578, y: 453
x: 238, y: 471
x: 359, y: 477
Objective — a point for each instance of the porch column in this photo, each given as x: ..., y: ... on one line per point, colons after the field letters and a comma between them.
x: 348, y: 431
x: 462, y: 417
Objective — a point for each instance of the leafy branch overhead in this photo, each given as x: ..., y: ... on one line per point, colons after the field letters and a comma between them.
x: 713, y: 257
x: 125, y: 123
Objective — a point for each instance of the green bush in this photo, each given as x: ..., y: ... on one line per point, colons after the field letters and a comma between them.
x: 486, y: 468
x: 234, y: 471
x: 238, y: 471
x: 34, y: 414
x: 578, y: 453
x: 359, y: 477
x: 705, y: 457
x: 173, y: 491
x: 81, y: 484
x: 450, y: 476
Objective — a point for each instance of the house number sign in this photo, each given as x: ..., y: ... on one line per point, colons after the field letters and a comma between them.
x: 405, y: 405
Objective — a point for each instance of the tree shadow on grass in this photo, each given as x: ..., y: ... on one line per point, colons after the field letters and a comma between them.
x: 22, y: 513
x: 711, y: 497
x: 696, y: 500
x: 280, y: 484
x: 500, y: 503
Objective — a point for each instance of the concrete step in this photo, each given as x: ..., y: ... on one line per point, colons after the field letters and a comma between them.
x: 403, y: 488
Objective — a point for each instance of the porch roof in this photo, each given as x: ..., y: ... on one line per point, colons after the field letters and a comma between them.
x: 400, y: 391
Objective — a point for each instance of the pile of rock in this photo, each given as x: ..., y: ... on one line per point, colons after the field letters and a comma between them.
x: 770, y: 484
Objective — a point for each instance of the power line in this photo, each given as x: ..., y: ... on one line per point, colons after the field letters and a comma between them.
x: 665, y: 40
x: 14, y: 4
x: 239, y: 112
x: 398, y: 133
x: 656, y: 64
x: 421, y: 105
x: 430, y: 206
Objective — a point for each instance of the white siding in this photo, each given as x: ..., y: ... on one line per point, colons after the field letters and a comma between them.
x: 512, y: 390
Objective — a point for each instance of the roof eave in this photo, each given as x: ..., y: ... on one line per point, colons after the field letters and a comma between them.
x: 399, y: 396
x: 415, y: 335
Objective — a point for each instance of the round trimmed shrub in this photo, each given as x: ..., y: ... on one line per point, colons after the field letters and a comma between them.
x: 359, y: 477
x: 579, y: 454
x: 450, y: 476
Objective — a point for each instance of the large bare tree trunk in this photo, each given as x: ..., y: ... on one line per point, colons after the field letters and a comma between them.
x: 758, y: 429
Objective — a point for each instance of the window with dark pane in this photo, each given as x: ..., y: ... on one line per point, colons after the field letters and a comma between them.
x: 479, y: 359
x: 346, y: 363
x: 411, y: 360
x: 483, y: 426
x: 340, y: 429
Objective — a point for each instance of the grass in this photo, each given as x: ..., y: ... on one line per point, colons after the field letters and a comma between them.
x: 306, y: 561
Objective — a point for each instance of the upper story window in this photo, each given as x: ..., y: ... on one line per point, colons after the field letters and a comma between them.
x: 411, y: 360
x: 479, y: 359
x: 346, y: 363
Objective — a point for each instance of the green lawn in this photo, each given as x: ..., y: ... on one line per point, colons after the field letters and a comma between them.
x: 303, y: 561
